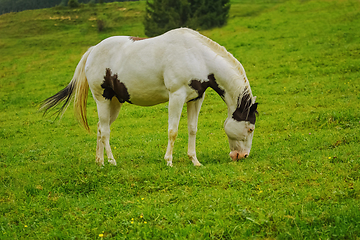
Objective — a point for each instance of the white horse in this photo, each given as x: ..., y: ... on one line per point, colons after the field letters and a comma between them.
x: 177, y: 67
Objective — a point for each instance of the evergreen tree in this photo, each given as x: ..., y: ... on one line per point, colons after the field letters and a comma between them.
x: 206, y: 14
x: 164, y: 15
x: 73, y: 3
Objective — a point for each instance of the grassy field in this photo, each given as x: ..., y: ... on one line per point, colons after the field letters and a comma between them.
x: 301, y: 181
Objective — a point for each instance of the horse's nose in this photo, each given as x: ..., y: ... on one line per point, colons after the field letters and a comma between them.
x: 235, y: 155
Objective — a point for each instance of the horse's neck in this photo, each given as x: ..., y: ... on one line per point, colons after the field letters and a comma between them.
x: 232, y: 79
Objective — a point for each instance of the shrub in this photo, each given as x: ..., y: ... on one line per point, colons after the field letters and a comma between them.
x: 103, y: 22
x: 100, y: 25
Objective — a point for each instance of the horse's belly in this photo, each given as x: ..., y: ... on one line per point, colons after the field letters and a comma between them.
x: 148, y: 95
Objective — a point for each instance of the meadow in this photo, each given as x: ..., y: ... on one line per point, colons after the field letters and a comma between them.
x: 301, y: 180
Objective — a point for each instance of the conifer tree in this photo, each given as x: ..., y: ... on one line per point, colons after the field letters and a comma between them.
x: 164, y: 15
x: 73, y: 3
x: 209, y: 13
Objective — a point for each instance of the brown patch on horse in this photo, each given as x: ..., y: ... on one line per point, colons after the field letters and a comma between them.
x: 134, y: 39
x: 214, y: 85
x: 113, y: 87
x: 200, y: 87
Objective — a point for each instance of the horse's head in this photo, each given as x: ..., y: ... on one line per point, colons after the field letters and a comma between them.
x: 240, y: 127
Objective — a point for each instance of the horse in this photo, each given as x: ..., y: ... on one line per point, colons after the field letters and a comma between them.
x: 175, y: 67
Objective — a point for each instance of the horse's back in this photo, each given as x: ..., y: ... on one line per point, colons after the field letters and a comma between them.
x: 149, y: 68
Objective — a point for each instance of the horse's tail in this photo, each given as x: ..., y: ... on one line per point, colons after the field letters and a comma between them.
x: 78, y: 89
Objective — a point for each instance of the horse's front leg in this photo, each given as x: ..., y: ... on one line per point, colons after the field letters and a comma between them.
x: 193, y: 110
x: 176, y: 103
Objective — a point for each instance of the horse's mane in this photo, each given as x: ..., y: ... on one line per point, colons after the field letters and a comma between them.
x: 217, y: 48
x: 222, y: 52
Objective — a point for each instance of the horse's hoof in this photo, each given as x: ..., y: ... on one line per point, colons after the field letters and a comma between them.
x: 99, y: 162
x: 112, y: 161
x: 198, y: 164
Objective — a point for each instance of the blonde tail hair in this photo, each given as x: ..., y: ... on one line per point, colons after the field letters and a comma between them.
x: 78, y: 89
x: 81, y: 91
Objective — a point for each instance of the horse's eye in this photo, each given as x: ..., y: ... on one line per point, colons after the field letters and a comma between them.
x: 251, y: 130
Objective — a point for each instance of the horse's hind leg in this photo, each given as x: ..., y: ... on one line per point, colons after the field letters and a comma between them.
x: 108, y: 112
x: 99, y: 147
x: 114, y: 112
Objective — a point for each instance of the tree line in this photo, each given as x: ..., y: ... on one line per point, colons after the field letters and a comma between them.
x: 7, y: 6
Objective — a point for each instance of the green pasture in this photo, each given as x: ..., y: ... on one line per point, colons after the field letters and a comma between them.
x: 301, y: 180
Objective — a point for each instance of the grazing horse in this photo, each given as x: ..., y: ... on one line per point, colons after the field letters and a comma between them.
x: 176, y: 67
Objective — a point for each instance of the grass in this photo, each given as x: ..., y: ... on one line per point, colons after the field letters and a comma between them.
x: 301, y: 181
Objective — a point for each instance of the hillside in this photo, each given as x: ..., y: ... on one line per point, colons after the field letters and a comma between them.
x: 301, y: 180
x: 7, y: 6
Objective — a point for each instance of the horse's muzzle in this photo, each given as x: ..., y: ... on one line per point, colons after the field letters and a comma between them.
x: 236, y: 155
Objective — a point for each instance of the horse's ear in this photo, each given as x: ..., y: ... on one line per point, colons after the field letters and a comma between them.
x: 253, y: 108
x: 254, y: 100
